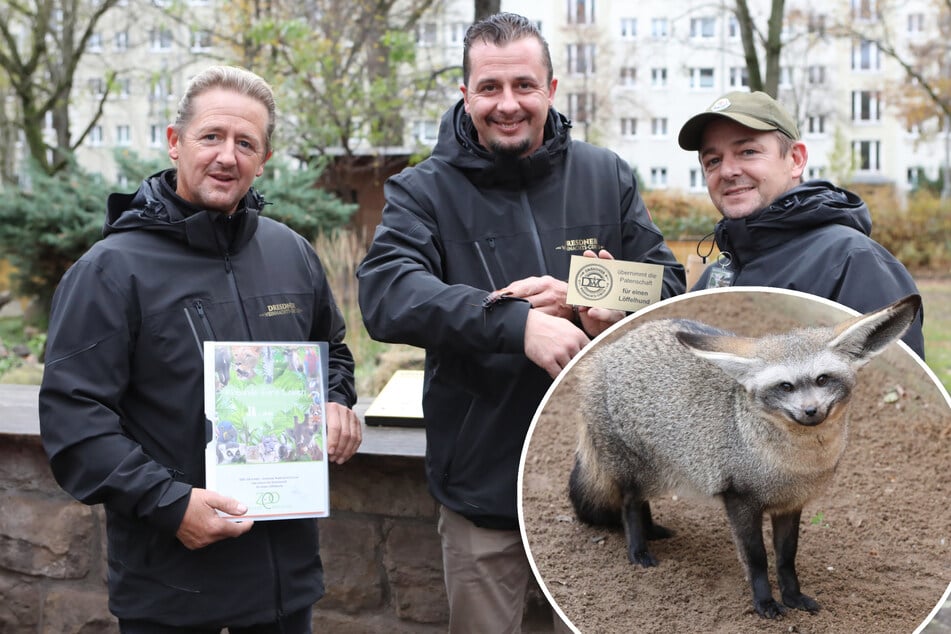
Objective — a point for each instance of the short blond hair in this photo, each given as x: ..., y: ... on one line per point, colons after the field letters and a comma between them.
x: 234, y: 78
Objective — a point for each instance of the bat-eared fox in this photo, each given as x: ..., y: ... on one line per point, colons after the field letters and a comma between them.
x: 679, y: 406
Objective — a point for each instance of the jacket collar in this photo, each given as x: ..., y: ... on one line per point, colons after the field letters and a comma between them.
x: 806, y: 207
x: 458, y: 145
x: 156, y: 207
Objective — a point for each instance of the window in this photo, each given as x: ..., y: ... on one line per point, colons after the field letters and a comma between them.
x: 161, y: 87
x: 916, y: 23
x: 123, y: 135
x: 785, y: 76
x: 913, y: 177
x: 865, y: 9
x: 660, y: 28
x: 426, y: 131
x: 580, y: 12
x: 866, y: 155
x: 581, y: 107
x: 628, y: 28
x: 160, y: 39
x: 201, y: 40
x: 865, y: 55
x: 817, y: 24
x: 628, y: 126
x: 816, y: 125
x: 866, y: 105
x: 701, y: 78
x: 816, y: 75
x: 659, y: 126
x: 94, y: 44
x: 95, y: 136
x: 658, y: 77
x: 457, y: 33
x: 156, y: 135
x: 733, y: 28
x: 739, y: 77
x: 581, y: 59
x: 123, y: 85
x: 702, y: 28
x: 97, y: 87
x: 698, y: 181
x: 628, y: 76
x: 659, y: 177
x: 121, y: 41
x: 426, y: 34
x: 816, y: 172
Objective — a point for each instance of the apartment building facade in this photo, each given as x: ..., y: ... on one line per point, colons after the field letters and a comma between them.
x: 630, y: 73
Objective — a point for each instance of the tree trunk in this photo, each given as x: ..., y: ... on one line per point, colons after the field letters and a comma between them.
x: 485, y: 8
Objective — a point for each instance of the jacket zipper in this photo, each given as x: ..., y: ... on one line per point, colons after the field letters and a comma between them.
x: 485, y: 266
x: 229, y: 271
x: 203, y: 320
x: 536, y: 239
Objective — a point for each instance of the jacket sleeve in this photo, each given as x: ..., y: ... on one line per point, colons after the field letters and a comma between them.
x: 86, y: 373
x: 329, y: 326
x: 641, y: 240
x: 868, y: 281
x: 404, y: 299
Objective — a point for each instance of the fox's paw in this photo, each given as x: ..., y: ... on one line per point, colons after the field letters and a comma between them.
x: 802, y: 602
x: 642, y: 557
x: 769, y: 608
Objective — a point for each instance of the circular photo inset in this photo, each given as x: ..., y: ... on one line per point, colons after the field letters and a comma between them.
x: 734, y: 456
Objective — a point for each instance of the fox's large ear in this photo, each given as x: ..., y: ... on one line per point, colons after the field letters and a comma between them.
x: 734, y: 355
x: 863, y: 337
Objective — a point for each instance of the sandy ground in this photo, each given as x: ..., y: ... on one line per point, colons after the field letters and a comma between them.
x: 875, y: 548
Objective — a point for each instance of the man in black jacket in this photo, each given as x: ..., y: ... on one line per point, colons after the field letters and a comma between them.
x: 188, y: 258
x: 503, y: 202
x: 778, y: 231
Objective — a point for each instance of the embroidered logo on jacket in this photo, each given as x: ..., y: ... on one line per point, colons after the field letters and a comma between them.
x: 287, y: 308
x: 579, y: 245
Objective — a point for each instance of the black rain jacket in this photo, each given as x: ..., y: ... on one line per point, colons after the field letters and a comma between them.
x: 122, y: 407
x: 815, y: 238
x: 461, y: 224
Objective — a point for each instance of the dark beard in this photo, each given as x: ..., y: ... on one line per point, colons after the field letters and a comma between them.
x: 510, y: 151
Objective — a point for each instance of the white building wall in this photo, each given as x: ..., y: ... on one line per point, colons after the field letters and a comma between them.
x: 639, y: 117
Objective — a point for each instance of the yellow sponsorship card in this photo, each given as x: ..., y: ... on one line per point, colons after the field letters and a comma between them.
x: 616, y: 284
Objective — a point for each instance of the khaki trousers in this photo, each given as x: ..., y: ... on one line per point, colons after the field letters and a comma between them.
x: 487, y: 574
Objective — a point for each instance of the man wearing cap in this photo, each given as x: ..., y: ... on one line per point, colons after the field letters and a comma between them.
x: 777, y: 230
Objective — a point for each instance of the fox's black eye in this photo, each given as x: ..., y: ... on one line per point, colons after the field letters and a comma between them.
x: 786, y: 386
x: 821, y: 380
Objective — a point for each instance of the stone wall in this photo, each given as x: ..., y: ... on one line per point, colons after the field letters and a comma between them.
x: 381, y: 553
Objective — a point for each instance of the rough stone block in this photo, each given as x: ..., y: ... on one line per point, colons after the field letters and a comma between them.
x: 350, y: 550
x: 19, y: 605
x: 45, y: 538
x: 381, y: 485
x: 23, y: 467
x: 77, y: 612
x: 413, y: 560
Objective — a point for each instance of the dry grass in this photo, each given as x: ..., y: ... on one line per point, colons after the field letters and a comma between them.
x: 341, y: 253
x: 936, y: 295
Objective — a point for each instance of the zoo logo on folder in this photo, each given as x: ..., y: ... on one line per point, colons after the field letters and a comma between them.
x: 266, y: 405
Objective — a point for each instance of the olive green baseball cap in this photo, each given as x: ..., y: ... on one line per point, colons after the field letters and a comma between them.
x: 755, y: 110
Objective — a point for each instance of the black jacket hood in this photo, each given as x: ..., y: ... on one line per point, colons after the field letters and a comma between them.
x: 156, y: 207
x: 458, y: 145
x: 808, y: 206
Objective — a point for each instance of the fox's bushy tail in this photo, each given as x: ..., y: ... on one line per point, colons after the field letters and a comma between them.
x: 595, y: 495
